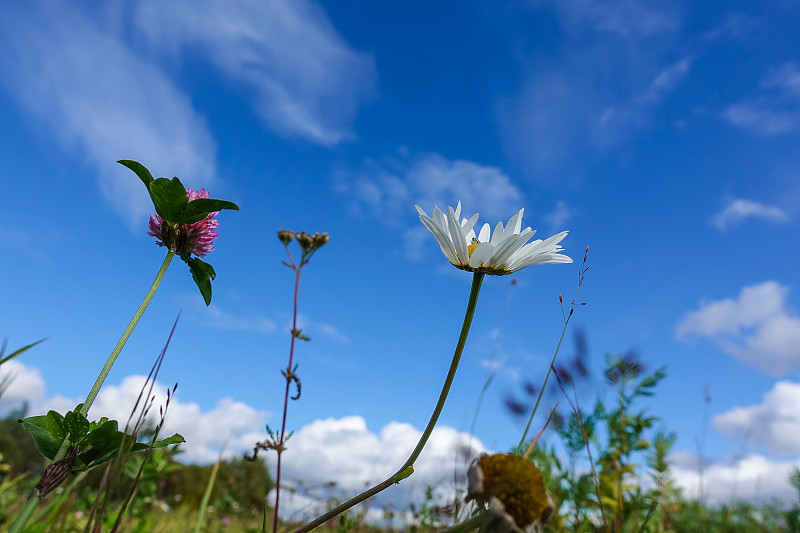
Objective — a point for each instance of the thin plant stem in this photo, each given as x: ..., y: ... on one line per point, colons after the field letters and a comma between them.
x: 408, y: 467
x: 297, y: 270
x: 541, y: 391
x: 581, y: 276
x: 207, y: 494
x: 34, y: 499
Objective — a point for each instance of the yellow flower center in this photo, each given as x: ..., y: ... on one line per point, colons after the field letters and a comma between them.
x: 471, y: 248
x: 516, y: 482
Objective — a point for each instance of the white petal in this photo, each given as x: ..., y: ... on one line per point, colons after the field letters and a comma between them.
x: 486, y: 231
x: 442, y: 238
x: 497, y: 236
x: 457, y: 238
x: 480, y: 254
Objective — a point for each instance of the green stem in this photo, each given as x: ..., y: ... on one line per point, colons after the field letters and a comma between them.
x: 33, y: 501
x: 468, y: 525
x: 408, y: 467
x: 126, y: 334
x: 544, y: 385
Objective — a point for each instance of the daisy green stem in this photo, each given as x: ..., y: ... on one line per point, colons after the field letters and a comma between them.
x: 408, y: 467
x: 33, y: 501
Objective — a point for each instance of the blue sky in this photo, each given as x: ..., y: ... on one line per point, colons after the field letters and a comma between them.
x: 663, y: 137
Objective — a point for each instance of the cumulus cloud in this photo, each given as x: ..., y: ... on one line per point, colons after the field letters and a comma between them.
x: 22, y: 384
x: 101, y: 101
x: 752, y: 478
x: 738, y: 210
x: 306, y: 81
x: 774, y: 424
x: 777, y: 110
x: 345, y: 451
x: 757, y: 327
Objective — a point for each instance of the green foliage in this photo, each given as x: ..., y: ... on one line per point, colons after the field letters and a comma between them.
x: 93, y: 443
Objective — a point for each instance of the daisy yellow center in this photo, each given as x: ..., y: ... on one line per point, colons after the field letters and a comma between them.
x: 471, y: 248
x: 516, y: 482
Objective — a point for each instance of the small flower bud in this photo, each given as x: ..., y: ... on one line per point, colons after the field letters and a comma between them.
x: 305, y: 240
x: 285, y: 236
x: 321, y: 239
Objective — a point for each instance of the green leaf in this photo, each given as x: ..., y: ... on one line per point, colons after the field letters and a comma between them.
x: 200, y: 208
x: 169, y: 198
x: 38, y: 428
x: 202, y: 274
x: 177, y: 438
x: 77, y: 426
x: 101, y: 444
x: 140, y: 171
x: 55, y: 425
x: 16, y: 353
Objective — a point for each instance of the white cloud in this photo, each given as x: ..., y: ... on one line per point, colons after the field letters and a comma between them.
x: 306, y: 81
x: 578, y: 102
x: 738, y: 210
x: 216, y: 318
x: 388, y: 191
x: 23, y: 384
x: 206, y: 432
x: 777, y: 110
x: 558, y: 217
x: 757, y: 327
x: 774, y: 424
x: 391, y: 189
x: 344, y: 450
x: 102, y: 102
x: 752, y: 478
x: 624, y: 18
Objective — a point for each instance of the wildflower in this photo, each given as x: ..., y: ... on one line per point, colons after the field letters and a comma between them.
x: 514, y: 491
x: 503, y: 252
x: 184, y: 239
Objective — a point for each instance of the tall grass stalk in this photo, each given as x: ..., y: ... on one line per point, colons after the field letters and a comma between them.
x: 581, y: 277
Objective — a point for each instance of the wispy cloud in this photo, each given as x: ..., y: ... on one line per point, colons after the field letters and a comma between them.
x: 101, y: 101
x: 391, y: 188
x: 757, y: 327
x: 559, y: 216
x: 218, y: 319
x: 777, y: 110
x: 624, y: 18
x: 774, y: 424
x: 612, y: 70
x: 739, y: 210
x: 388, y: 191
x: 307, y: 82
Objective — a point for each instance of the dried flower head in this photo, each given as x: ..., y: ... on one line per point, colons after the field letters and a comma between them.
x: 285, y: 236
x: 185, y: 239
x: 512, y: 489
x: 503, y: 252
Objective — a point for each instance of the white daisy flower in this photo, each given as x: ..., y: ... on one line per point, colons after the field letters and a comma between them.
x: 505, y: 251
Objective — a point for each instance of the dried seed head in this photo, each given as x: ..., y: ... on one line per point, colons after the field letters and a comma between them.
x: 321, y: 239
x: 285, y: 236
x: 305, y: 241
